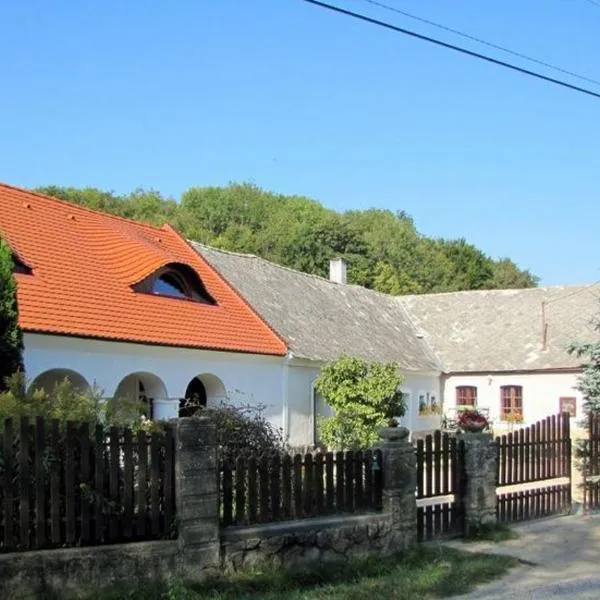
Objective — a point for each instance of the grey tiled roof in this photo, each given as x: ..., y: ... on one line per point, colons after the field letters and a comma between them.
x: 321, y: 320
x: 501, y: 330
x: 496, y: 330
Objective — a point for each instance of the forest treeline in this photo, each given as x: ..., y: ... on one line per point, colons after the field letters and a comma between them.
x: 384, y: 250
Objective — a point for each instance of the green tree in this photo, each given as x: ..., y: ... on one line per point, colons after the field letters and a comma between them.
x: 507, y: 275
x: 589, y: 380
x: 384, y: 249
x: 11, y: 336
x: 364, y: 395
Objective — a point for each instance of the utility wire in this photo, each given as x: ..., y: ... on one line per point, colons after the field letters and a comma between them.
x: 481, y: 41
x: 585, y: 288
x: 437, y: 42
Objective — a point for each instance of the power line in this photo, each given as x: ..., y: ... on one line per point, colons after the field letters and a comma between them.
x: 437, y: 42
x: 585, y: 288
x: 482, y: 41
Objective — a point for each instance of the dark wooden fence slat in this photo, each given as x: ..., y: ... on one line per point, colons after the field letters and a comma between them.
x: 142, y: 485
x: 24, y: 487
x: 297, y: 483
x: 329, y: 486
x: 240, y: 491
x: 445, y: 464
x: 56, y: 461
x: 227, y: 493
x: 339, y: 481
x: 113, y: 483
x: 428, y: 466
x: 70, y: 466
x: 263, y: 478
x: 308, y: 487
x: 420, y: 523
x: 9, y: 488
x: 86, y: 482
x: 509, y: 459
x: 368, y: 488
x: 319, y: 485
x: 349, y: 480
x: 378, y: 479
x: 127, y: 484
x: 275, y: 487
x: 155, y: 483
x: 40, y: 484
x: 420, y: 468
x: 555, y: 447
x: 252, y: 490
x: 429, y: 522
x: 437, y: 464
x: 358, y: 480
x: 169, y: 484
x: 99, y: 468
x: 287, y: 509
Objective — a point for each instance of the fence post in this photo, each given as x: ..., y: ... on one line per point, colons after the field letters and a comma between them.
x: 479, y: 489
x: 399, y: 485
x: 197, y: 494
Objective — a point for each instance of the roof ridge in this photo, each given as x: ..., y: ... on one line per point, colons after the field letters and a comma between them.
x: 81, y: 206
x: 566, y: 286
x: 290, y: 269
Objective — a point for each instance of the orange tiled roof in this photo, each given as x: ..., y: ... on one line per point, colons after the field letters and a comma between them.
x: 85, y: 263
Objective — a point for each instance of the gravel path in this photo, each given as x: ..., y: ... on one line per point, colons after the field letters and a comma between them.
x: 563, y: 556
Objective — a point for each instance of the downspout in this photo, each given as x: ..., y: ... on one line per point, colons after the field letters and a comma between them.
x: 285, y: 394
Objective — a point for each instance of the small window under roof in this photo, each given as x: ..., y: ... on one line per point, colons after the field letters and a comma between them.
x: 19, y: 266
x: 176, y: 281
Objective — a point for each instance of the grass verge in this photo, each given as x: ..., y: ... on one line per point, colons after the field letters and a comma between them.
x: 424, y: 572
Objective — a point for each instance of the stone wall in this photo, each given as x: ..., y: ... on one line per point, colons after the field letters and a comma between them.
x: 71, y: 572
x: 203, y: 547
x: 309, y: 543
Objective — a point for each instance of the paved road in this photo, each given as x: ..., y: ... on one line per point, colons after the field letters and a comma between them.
x: 566, y: 556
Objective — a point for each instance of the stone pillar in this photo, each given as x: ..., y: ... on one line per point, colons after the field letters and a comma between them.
x: 197, y: 494
x: 399, y: 485
x: 479, y: 489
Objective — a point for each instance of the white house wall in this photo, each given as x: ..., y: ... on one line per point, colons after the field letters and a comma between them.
x: 301, y: 378
x: 247, y: 378
x: 541, y: 392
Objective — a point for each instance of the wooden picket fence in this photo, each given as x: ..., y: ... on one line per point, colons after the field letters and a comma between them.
x: 270, y: 488
x: 536, y: 462
x: 440, y: 483
x: 591, y: 464
x: 62, y: 484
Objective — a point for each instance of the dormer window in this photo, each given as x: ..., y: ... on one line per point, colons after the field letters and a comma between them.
x: 171, y: 283
x: 176, y: 281
x: 19, y: 266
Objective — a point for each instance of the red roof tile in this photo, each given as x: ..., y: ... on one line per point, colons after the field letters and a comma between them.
x: 85, y: 263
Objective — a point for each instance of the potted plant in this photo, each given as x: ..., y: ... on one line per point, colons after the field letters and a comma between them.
x: 472, y: 421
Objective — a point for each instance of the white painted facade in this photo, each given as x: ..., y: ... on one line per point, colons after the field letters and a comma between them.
x: 283, y: 385
x: 305, y: 405
x: 541, y: 392
x: 115, y: 368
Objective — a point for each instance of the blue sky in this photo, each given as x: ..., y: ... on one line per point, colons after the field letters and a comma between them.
x: 298, y: 100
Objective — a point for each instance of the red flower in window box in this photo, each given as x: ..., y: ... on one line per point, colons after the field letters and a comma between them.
x: 472, y: 421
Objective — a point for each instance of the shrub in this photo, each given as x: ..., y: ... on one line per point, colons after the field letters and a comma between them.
x: 66, y: 403
x: 365, y: 397
x: 11, y: 337
x: 243, y: 430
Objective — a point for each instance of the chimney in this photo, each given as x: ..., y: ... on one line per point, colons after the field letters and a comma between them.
x: 337, y: 270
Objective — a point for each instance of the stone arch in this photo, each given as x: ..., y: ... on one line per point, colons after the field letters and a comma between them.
x: 48, y: 380
x: 202, y: 390
x: 142, y: 386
